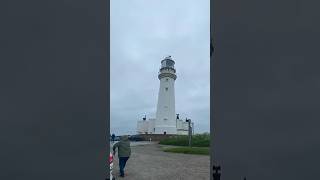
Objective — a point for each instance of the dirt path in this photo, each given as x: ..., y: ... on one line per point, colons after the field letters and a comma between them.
x: 149, y: 162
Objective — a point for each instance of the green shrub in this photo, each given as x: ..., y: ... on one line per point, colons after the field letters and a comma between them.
x: 198, y: 140
x: 189, y: 150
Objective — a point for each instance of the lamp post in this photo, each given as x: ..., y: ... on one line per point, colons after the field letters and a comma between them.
x: 177, y: 121
x: 192, y: 128
x: 189, y: 130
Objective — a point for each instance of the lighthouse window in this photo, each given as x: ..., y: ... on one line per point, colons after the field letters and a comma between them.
x: 170, y: 64
x: 166, y: 89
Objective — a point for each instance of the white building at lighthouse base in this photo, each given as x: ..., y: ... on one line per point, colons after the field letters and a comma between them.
x: 148, y: 127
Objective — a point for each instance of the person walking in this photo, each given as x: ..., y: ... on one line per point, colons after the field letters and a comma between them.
x: 124, y: 152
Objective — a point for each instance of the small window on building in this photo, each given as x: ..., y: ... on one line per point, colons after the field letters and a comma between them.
x: 167, y: 79
x: 166, y: 89
x: 165, y: 119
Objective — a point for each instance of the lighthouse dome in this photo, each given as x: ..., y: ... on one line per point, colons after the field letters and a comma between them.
x: 167, y: 62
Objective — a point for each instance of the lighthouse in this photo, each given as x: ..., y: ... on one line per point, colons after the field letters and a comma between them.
x: 165, y: 122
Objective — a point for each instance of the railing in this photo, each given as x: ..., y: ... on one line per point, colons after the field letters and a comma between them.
x: 169, y: 68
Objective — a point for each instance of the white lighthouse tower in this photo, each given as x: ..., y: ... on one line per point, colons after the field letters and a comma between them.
x: 165, y: 122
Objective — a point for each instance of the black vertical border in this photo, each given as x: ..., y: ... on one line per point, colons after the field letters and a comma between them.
x: 107, y: 81
x: 54, y: 89
x: 285, y: 35
x: 213, y: 87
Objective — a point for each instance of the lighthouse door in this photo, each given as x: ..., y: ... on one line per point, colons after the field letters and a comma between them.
x: 165, y: 133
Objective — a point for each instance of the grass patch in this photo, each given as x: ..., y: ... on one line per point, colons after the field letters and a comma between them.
x: 188, y: 150
x: 198, y: 140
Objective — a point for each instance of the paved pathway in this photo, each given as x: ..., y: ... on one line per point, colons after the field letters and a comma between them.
x: 149, y: 162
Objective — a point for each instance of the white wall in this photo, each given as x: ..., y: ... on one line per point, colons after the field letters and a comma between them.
x: 151, y: 126
x: 165, y: 115
x: 142, y: 127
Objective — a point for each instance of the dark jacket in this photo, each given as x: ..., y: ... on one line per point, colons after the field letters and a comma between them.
x: 123, y: 146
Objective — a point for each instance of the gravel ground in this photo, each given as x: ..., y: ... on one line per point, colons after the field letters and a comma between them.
x: 149, y: 162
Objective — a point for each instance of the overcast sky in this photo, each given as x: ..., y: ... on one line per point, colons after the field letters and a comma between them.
x: 143, y: 32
